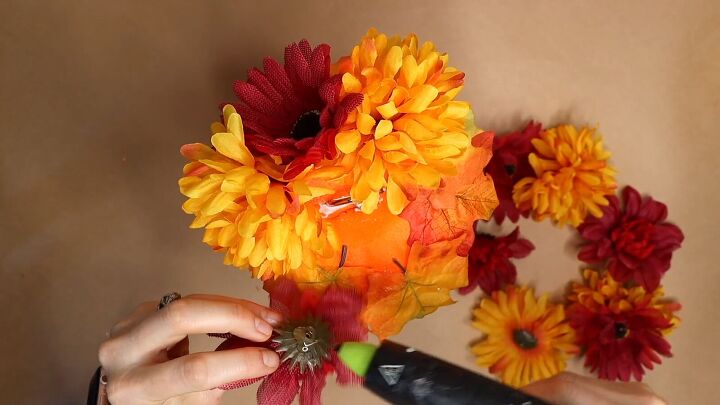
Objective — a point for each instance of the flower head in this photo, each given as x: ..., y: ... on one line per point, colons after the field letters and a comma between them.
x: 527, y: 339
x: 293, y: 111
x: 509, y: 163
x: 489, y: 264
x: 317, y: 322
x: 408, y: 130
x: 635, y: 240
x: 572, y: 176
x: 621, y: 329
x: 256, y: 220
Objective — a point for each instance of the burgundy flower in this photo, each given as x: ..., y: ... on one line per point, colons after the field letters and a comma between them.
x: 509, y: 164
x: 489, y: 264
x: 620, y: 345
x: 636, y: 241
x: 328, y: 320
x: 293, y: 111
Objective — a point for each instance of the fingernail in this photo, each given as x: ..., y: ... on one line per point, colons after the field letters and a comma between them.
x: 270, y: 359
x: 263, y: 327
x: 272, y: 318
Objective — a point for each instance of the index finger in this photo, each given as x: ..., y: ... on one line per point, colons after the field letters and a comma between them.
x: 190, y: 315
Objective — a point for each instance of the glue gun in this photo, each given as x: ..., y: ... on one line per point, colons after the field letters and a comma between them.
x: 405, y: 376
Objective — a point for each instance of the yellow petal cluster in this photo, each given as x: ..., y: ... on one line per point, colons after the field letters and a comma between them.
x: 409, y: 129
x: 602, y: 291
x: 572, y: 176
x: 527, y: 339
x: 257, y: 221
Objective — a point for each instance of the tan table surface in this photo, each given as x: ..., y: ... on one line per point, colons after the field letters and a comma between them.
x: 97, y: 96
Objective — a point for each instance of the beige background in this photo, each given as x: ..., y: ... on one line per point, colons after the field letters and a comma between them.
x: 97, y: 96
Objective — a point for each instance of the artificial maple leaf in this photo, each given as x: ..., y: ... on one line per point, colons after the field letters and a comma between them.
x: 451, y: 211
x: 346, y: 277
x: 416, y: 289
x: 349, y: 278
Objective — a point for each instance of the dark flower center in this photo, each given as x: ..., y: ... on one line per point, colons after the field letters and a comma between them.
x: 525, y: 339
x: 510, y: 170
x: 621, y: 330
x: 305, y: 344
x: 635, y: 238
x: 307, y: 125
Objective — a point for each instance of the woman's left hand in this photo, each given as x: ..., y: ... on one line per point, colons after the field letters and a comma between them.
x: 146, y: 358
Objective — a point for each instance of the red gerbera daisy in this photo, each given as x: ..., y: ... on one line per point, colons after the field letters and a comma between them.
x: 293, y: 111
x: 314, y: 326
x: 636, y: 241
x: 509, y: 164
x: 621, y: 329
x: 489, y: 264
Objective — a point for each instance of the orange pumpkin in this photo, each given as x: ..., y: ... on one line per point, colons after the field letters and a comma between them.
x: 373, y: 241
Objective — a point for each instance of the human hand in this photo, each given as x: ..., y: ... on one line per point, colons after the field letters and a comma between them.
x: 574, y: 389
x: 146, y: 358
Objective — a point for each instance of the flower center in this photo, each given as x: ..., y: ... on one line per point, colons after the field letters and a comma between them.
x: 634, y: 237
x: 307, y: 125
x: 510, y: 170
x: 621, y: 330
x: 304, y: 343
x: 525, y: 339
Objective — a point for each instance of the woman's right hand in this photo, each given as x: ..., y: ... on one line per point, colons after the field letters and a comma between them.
x: 574, y: 389
x: 146, y: 357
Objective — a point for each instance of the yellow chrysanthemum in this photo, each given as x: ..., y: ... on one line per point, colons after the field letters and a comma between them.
x: 572, y: 176
x: 526, y: 339
x: 258, y: 221
x: 602, y: 291
x: 409, y: 129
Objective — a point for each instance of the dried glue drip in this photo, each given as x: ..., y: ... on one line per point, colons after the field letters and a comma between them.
x: 305, y: 344
x: 331, y: 207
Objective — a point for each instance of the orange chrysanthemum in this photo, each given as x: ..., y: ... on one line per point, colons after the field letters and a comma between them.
x: 527, y: 339
x: 257, y: 220
x: 409, y: 129
x: 572, y: 176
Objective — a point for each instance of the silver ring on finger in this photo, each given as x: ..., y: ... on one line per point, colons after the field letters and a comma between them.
x: 167, y: 299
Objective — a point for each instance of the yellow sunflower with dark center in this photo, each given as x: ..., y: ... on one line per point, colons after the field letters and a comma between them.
x: 527, y: 339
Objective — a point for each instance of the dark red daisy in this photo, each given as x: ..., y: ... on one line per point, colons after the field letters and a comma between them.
x: 509, y: 164
x: 635, y: 240
x: 489, y: 264
x: 314, y: 326
x: 620, y: 345
x: 293, y: 110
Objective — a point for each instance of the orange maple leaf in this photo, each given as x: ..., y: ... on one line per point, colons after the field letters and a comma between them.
x: 416, y: 289
x: 451, y: 211
x: 346, y: 277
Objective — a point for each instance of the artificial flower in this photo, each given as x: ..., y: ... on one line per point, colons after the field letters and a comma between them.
x: 634, y: 239
x: 409, y: 130
x: 621, y: 329
x: 489, y: 264
x: 293, y: 111
x: 314, y: 326
x: 572, y: 176
x: 256, y: 220
x: 509, y: 164
x: 527, y: 339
